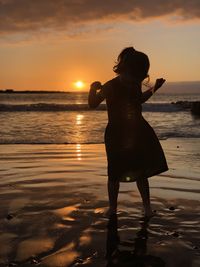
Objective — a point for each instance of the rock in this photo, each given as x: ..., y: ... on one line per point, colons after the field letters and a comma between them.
x: 184, y: 104
x: 34, y: 261
x: 195, y: 109
x: 175, y: 234
x: 13, y: 263
x: 10, y: 216
x: 171, y: 208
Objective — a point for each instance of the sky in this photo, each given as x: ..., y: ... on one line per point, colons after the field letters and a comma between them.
x: 50, y: 44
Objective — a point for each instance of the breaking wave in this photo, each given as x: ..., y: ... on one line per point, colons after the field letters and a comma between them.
x: 51, y: 107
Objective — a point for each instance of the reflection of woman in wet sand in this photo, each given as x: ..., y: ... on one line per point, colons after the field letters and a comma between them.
x: 133, y: 149
x: 137, y: 256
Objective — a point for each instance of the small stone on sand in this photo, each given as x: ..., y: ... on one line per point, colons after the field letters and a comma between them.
x: 13, y: 263
x: 34, y: 261
x: 175, y: 234
x: 10, y: 216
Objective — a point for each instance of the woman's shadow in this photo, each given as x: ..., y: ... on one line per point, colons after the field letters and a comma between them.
x: 135, y: 255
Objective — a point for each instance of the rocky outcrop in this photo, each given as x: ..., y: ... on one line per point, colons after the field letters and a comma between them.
x: 193, y: 106
x: 195, y: 109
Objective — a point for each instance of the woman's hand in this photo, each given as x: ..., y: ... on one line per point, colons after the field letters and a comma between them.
x: 96, y: 86
x: 94, y: 97
x: 159, y: 82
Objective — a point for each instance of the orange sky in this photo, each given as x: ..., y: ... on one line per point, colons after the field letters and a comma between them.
x: 48, y: 45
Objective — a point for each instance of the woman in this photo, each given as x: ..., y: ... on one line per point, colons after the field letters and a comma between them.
x: 133, y: 149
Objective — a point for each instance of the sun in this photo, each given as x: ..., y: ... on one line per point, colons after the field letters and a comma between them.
x: 79, y: 84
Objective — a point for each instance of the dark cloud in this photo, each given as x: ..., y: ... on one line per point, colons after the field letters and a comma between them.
x: 31, y: 15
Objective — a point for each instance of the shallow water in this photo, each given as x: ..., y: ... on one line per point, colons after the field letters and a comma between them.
x: 66, y: 119
x: 54, y: 199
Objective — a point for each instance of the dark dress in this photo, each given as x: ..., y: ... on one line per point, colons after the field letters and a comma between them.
x: 132, y: 147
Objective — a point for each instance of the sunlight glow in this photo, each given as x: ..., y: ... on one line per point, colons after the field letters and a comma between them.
x: 79, y: 84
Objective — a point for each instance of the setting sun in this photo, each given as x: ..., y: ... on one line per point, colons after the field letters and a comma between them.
x: 79, y: 84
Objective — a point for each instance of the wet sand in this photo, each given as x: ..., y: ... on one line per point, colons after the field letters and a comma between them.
x: 54, y: 200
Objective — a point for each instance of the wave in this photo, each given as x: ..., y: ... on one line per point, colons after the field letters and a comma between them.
x: 51, y: 107
x: 39, y: 142
x: 4, y: 141
x: 45, y: 107
x: 176, y: 176
x: 176, y: 134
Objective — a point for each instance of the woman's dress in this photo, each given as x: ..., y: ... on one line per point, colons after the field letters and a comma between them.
x: 132, y: 147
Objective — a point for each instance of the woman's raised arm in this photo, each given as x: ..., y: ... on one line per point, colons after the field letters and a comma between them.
x: 95, y: 96
x: 147, y: 94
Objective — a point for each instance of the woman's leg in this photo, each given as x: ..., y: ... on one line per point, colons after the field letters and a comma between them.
x: 113, y: 190
x: 143, y: 187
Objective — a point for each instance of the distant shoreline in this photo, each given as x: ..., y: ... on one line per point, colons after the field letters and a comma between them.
x: 169, y: 87
x: 12, y: 91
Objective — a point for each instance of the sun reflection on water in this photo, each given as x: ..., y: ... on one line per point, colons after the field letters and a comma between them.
x: 79, y: 135
x: 78, y: 152
x: 79, y: 119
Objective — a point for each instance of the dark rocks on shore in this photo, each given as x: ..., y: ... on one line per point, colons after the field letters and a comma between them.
x: 10, y: 216
x: 193, y: 106
x: 183, y: 104
x: 196, y: 108
x: 175, y: 234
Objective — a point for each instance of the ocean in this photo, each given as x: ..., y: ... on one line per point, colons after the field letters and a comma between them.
x: 64, y: 118
x: 53, y: 185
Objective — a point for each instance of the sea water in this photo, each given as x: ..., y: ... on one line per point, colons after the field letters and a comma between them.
x: 65, y: 118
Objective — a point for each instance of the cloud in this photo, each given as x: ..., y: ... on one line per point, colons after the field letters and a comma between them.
x: 24, y: 16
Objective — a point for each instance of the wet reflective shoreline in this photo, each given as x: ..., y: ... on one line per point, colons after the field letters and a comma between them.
x: 54, y: 203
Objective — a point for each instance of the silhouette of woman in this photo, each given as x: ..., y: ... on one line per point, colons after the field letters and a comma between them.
x: 132, y: 147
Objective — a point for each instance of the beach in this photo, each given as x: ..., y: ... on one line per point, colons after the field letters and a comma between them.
x: 88, y: 89
x: 54, y: 202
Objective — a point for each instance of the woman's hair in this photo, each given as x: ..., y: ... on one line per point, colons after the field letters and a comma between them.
x: 133, y: 62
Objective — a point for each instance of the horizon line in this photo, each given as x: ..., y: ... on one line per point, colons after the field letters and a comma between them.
x: 6, y: 90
